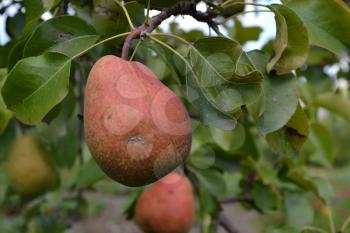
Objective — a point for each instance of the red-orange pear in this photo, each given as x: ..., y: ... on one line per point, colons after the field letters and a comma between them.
x: 137, y: 129
x: 166, y: 207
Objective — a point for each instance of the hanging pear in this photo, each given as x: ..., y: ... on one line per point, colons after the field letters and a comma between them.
x: 137, y: 129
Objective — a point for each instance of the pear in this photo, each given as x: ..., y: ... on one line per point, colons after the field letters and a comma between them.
x: 28, y: 167
x: 137, y: 129
x: 168, y: 206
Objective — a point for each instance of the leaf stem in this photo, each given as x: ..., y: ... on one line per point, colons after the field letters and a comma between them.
x: 233, y: 2
x: 171, y: 49
x: 345, y: 225
x: 330, y: 219
x: 314, y: 229
x: 148, y: 10
x: 194, y: 49
x: 126, y: 14
x: 99, y: 43
x: 135, y: 50
x: 254, y: 11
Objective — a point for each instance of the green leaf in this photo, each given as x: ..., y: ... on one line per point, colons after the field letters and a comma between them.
x: 3, y: 185
x: 281, y: 96
x: 6, y: 140
x: 320, y: 57
x: 130, y: 205
x: 266, y: 172
x: 227, y: 82
x: 5, y: 114
x: 292, y: 42
x: 109, y: 18
x: 325, y: 189
x: 35, y: 85
x: 321, y: 139
x: 298, y: 210
x: 289, y: 140
x: 68, y: 35
x: 286, y: 229
x: 202, y: 157
x: 299, y: 123
x: 16, y: 53
x: 244, y: 34
x: 250, y: 146
x: 209, y: 114
x: 296, y: 175
x: 209, y: 206
x: 15, y: 25
x: 327, y: 22
x: 334, y: 103
x: 89, y: 174
x: 209, y: 209
x: 211, y: 179
x: 264, y: 197
x: 34, y: 10
x: 64, y: 150
x: 229, y: 8
x: 228, y: 139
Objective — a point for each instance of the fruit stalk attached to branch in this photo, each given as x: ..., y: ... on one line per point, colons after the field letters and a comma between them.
x: 182, y: 8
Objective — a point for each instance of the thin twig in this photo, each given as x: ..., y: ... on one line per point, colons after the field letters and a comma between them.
x: 182, y: 8
x: 246, y: 199
x: 80, y: 84
x: 148, y: 10
x: 80, y: 97
x: 62, y: 10
x: 225, y: 223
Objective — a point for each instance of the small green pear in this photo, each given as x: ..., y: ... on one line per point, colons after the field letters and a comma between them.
x: 28, y: 167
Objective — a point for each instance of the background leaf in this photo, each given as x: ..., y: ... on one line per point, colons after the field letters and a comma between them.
x: 328, y: 32
x: 292, y: 42
x: 293, y: 204
x: 34, y: 10
x: 5, y: 114
x: 335, y: 103
x: 89, y: 174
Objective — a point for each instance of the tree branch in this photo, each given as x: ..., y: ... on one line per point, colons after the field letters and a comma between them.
x: 63, y: 8
x: 237, y: 200
x: 182, y: 8
x: 80, y: 97
x: 225, y: 223
x: 80, y: 84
